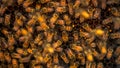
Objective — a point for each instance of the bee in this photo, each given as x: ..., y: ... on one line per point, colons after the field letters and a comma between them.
x: 93, y: 65
x: 3, y: 8
x: 55, y: 58
x: 63, y: 3
x: 3, y: 43
x: 99, y: 32
x: 14, y: 63
x: 59, y: 49
x: 29, y: 9
x: 11, y: 40
x: 65, y: 36
x: 95, y: 53
x: 38, y: 66
x: 116, y: 23
x: 20, y: 2
x: 93, y: 45
x: 103, y: 49
x: 74, y: 65
x: 60, y: 22
x: 53, y: 4
x: 26, y: 43
x: 25, y: 59
x: 44, y: 1
x: 64, y: 57
x: 67, y: 19
x: 38, y: 38
x: 87, y: 28
x: 117, y: 51
x: 107, y: 21
x: 21, y: 65
x: 100, y: 65
x: 2, y: 58
x: 103, y: 4
x: 85, y: 3
x: 44, y: 26
x: 90, y: 40
x: 115, y: 35
x: 7, y: 19
x: 19, y: 50
x: 24, y: 32
x: 88, y: 64
x: 76, y: 4
x: 53, y: 19
x: 70, y: 54
x: 109, y: 53
x: 49, y: 36
x: 38, y: 6
x: 47, y: 9
x: 7, y: 57
x: 70, y: 8
x: 8, y: 66
x: 30, y: 29
x: 114, y: 11
x: 49, y: 64
x: 68, y: 28
x: 76, y: 48
x: 89, y: 55
x: 16, y: 55
x: 46, y: 58
x: 95, y: 3
x: 27, y: 3
x: 41, y: 18
x: 1, y: 20
x: 97, y: 13
x: 5, y: 32
x: 118, y: 60
x: 61, y: 9
x: 84, y: 34
x: 57, y: 44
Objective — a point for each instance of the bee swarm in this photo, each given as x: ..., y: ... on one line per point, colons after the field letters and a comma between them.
x: 59, y: 33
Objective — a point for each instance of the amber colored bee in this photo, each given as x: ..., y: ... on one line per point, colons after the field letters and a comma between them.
x: 20, y: 2
x: 5, y: 31
x: 38, y: 6
x: 14, y: 63
x: 100, y: 65
x: 118, y: 60
x: 107, y: 21
x: 1, y: 20
x: 8, y: 66
x: 90, y: 40
x: 70, y: 53
x: 29, y: 9
x: 76, y: 4
x: 116, y: 23
x: 38, y: 66
x: 103, y: 4
x: 89, y: 55
x: 64, y: 57
x: 19, y: 50
x: 44, y: 1
x: 114, y: 11
x: 59, y: 49
x: 3, y: 43
x: 95, y: 53
x: 67, y: 19
x: 26, y: 43
x: 2, y: 58
x: 60, y: 22
x: 7, y: 57
x: 16, y: 55
x: 44, y: 26
x: 68, y: 28
x: 38, y: 38
x: 117, y: 51
x: 55, y: 58
x: 97, y: 13
x: 21, y: 65
x: 63, y: 3
x: 88, y: 64
x: 115, y: 35
x: 47, y: 9
x: 49, y: 64
x: 70, y: 8
x: 24, y: 32
x: 74, y: 65
x: 87, y: 28
x: 11, y: 40
x: 93, y: 65
x: 46, y: 58
x: 65, y: 36
x: 53, y: 4
x: 76, y: 48
x: 25, y: 59
x: 95, y: 3
x: 2, y: 9
x: 57, y: 43
x: 30, y: 29
x: 85, y: 3
x: 60, y: 9
x: 84, y: 34
x: 27, y: 3
x: 7, y: 19
x: 49, y: 36
x: 109, y: 53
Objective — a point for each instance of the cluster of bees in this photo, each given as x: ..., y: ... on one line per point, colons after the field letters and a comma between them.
x: 59, y: 33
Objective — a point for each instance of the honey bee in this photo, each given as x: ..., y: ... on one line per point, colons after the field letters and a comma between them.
x: 95, y: 3
x: 38, y: 66
x: 116, y: 23
x: 11, y: 40
x: 60, y: 9
x: 88, y: 64
x: 76, y: 4
x: 57, y: 44
x: 8, y: 66
x: 74, y: 65
x: 59, y: 49
x: 2, y: 58
x: 24, y: 32
x: 115, y: 35
x: 38, y: 6
x: 93, y: 45
x: 76, y: 48
x: 85, y: 3
x: 60, y: 22
x: 117, y: 51
x: 64, y: 57
x: 84, y: 34
x: 95, y: 53
x: 97, y: 13
x: 68, y: 28
x: 49, y: 64
x: 29, y: 9
x: 38, y: 38
x: 7, y: 57
x: 44, y: 1
x: 67, y: 19
x: 65, y: 36
x: 7, y: 19
x: 87, y: 27
x: 19, y: 50
x: 49, y: 36
x: 103, y: 4
x: 46, y: 58
x: 1, y: 20
x: 3, y: 8
x: 26, y: 43
x: 63, y: 3
x: 93, y: 65
x: 5, y: 32
x: 109, y: 53
x: 70, y: 54
x: 53, y: 4
x: 118, y: 60
x: 21, y: 65
x: 100, y: 65
x: 90, y: 40
x: 114, y: 11
x: 47, y: 9
x: 89, y: 55
x: 44, y: 26
x: 107, y: 21
x: 16, y: 55
x: 55, y: 58
x: 25, y: 59
x: 14, y: 63
x: 27, y: 3
x: 20, y: 2
x: 3, y: 43
x: 70, y: 8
